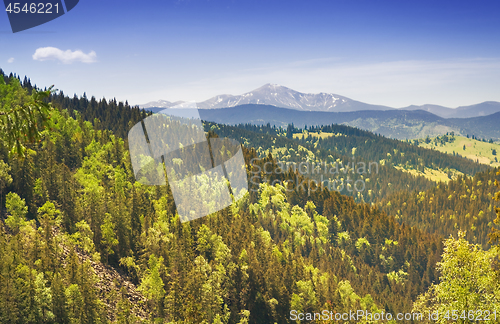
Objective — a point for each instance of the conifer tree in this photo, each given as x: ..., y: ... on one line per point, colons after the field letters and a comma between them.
x: 5, y: 179
x: 20, y: 113
x: 495, y: 232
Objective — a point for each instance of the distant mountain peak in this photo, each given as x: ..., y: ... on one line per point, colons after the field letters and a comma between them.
x: 280, y: 96
x: 161, y: 104
x: 284, y: 97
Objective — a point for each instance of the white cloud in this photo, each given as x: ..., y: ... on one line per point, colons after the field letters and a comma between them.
x: 11, y: 60
x: 66, y: 57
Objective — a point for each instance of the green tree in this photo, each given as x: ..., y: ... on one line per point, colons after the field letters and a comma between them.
x: 20, y: 114
x: 5, y: 178
x: 74, y: 303
x: 289, y: 131
x: 495, y: 232
x: 17, y: 209
x: 124, y: 309
x: 84, y: 236
x: 108, y: 235
x: 43, y: 299
x: 91, y: 306
x: 26, y: 294
x: 49, y: 217
x: 152, y: 284
x: 467, y: 283
x: 58, y: 299
x: 305, y: 298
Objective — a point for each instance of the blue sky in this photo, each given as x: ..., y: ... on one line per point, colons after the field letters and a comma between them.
x: 394, y: 53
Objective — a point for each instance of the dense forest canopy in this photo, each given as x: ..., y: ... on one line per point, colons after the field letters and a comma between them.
x: 82, y: 242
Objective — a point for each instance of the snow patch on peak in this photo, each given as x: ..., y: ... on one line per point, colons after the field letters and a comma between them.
x: 279, y: 96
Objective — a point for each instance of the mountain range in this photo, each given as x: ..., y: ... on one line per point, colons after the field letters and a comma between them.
x: 397, y: 123
x: 482, y: 109
x: 279, y: 96
x: 283, y: 97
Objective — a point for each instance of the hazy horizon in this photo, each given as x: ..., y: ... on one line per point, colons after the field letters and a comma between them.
x: 386, y: 53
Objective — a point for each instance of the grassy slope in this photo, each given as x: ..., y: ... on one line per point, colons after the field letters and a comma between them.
x: 431, y: 174
x: 474, y: 149
x: 314, y: 134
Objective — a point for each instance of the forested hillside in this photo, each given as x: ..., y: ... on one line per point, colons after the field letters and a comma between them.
x: 344, y: 146
x: 82, y: 242
x: 117, y: 117
x: 399, y: 153
x: 465, y: 203
x: 274, y: 251
x: 377, y: 178
x: 350, y: 145
x: 394, y: 123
